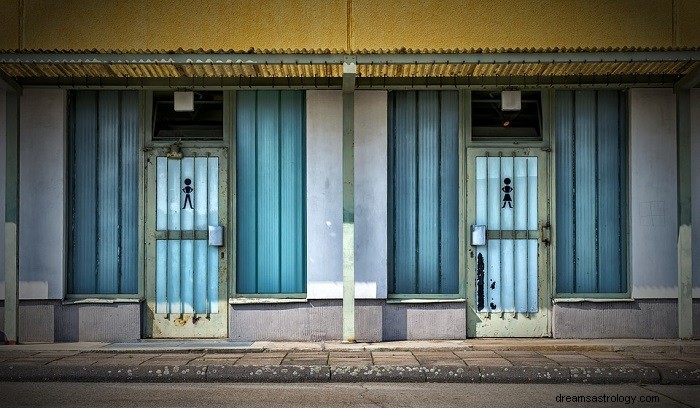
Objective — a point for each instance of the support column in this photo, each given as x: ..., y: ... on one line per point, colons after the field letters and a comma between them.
x: 685, y: 253
x: 12, y: 218
x: 685, y: 249
x: 349, y: 70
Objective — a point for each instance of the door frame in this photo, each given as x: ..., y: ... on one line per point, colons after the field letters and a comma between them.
x: 228, y: 144
x: 545, y: 270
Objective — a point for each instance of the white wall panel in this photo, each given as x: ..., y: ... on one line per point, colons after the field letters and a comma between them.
x: 653, y: 193
x: 695, y: 163
x: 42, y: 187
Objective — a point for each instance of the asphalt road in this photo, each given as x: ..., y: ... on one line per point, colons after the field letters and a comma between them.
x: 339, y: 395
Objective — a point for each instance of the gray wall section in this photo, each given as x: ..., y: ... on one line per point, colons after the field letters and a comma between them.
x: 376, y: 320
x: 653, y: 197
x: 416, y: 321
x: 324, y: 194
x: 315, y: 320
x: 42, y: 213
x: 643, y: 318
x: 371, y: 194
x: 51, y: 321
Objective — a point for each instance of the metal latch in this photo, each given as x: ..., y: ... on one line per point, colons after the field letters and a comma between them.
x: 478, y: 235
x: 545, y: 235
x: 216, y: 235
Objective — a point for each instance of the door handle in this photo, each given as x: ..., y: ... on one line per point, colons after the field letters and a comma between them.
x: 216, y: 235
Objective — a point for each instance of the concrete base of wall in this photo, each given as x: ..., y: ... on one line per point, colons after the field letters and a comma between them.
x: 642, y: 318
x: 318, y: 320
x: 50, y: 321
x: 376, y: 320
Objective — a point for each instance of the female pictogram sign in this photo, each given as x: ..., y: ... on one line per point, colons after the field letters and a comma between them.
x: 507, y: 189
x: 188, y: 191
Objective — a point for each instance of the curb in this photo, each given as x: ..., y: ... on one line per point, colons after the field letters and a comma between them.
x: 298, y: 374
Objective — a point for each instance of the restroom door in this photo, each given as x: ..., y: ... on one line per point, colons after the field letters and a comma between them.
x: 509, y: 243
x: 185, y: 248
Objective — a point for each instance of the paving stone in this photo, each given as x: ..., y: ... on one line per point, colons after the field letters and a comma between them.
x: 475, y: 353
x: 341, y: 361
x: 488, y: 362
x: 532, y: 362
x: 213, y: 362
x: 518, y: 353
x: 259, y: 361
x: 670, y: 363
x: 75, y: 362
x: 350, y: 354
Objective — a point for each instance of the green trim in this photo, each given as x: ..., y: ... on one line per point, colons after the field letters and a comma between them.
x: 563, y: 297
x: 97, y: 298
x: 262, y: 296
x: 230, y: 115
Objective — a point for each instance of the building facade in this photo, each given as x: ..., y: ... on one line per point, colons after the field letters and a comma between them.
x: 349, y: 170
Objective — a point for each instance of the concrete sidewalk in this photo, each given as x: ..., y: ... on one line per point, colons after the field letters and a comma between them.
x: 473, y: 360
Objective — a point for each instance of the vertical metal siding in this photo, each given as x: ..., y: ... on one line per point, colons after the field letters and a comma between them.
x: 424, y: 173
x: 268, y: 188
x: 565, y: 228
x: 129, y: 192
x: 449, y: 191
x: 270, y: 197
x: 405, y: 193
x: 586, y: 238
x: 608, y: 193
x: 591, y: 204
x: 105, y: 189
x: 246, y: 212
x: 84, y: 200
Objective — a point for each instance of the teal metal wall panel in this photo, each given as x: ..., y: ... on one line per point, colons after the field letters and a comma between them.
x: 108, y: 192
x: 270, y: 192
x: 268, y: 189
x: 246, y: 209
x: 564, y: 156
x: 104, y: 189
x: 586, y: 191
x: 449, y: 192
x: 83, y: 274
x: 129, y: 167
x: 424, y: 192
x: 591, y: 192
x: 405, y: 178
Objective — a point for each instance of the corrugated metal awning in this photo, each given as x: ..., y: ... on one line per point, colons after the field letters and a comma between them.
x: 518, y: 65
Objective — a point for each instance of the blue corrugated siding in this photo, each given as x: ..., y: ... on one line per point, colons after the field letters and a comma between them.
x: 591, y: 192
x: 423, y: 131
x: 104, y: 186
x: 270, y: 192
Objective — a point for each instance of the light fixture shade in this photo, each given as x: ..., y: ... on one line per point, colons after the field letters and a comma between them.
x: 511, y: 101
x: 184, y: 101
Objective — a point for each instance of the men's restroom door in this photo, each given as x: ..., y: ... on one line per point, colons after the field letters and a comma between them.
x: 508, y: 243
x: 186, y: 213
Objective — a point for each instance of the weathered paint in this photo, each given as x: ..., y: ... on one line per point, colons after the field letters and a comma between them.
x: 324, y: 206
x: 11, y: 217
x: 2, y: 191
x: 348, y: 165
x: 166, y: 24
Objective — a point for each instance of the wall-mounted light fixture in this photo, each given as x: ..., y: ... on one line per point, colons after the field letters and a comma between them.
x: 184, y: 101
x: 511, y: 100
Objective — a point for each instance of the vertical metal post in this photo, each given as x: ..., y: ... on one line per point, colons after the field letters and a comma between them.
x: 685, y: 271
x: 348, y: 165
x: 12, y: 218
